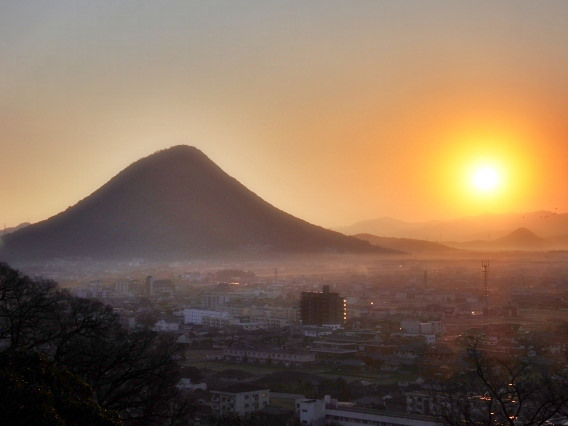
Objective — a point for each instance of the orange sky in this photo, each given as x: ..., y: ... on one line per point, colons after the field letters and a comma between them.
x: 333, y: 111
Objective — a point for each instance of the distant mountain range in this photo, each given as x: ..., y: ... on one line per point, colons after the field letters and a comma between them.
x: 407, y: 245
x: 521, y: 239
x: 548, y: 225
x: 175, y: 203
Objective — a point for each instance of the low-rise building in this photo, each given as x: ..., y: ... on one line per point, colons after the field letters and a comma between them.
x: 272, y: 356
x: 316, y: 412
x: 165, y: 326
x: 417, y: 327
x: 239, y: 399
x: 196, y: 316
x: 185, y: 384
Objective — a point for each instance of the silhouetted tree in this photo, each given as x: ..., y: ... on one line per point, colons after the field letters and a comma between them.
x: 506, y: 390
x: 35, y: 391
x: 26, y: 307
x: 133, y: 374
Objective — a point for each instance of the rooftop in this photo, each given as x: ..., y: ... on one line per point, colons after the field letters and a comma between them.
x: 239, y: 388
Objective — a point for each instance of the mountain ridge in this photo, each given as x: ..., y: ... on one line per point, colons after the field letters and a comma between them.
x: 407, y: 245
x: 11, y: 229
x: 483, y: 227
x: 175, y: 202
x: 521, y: 239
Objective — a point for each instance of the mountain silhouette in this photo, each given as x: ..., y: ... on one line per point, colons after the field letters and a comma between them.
x: 521, y: 237
x: 172, y: 204
x: 547, y: 224
x: 14, y: 228
x: 406, y: 245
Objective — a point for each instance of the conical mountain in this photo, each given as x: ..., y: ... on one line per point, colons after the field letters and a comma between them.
x: 174, y: 203
x: 521, y: 238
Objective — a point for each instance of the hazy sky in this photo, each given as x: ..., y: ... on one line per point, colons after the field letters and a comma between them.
x: 334, y: 111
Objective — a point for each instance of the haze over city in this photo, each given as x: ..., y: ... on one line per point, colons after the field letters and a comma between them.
x: 334, y: 112
x: 286, y: 213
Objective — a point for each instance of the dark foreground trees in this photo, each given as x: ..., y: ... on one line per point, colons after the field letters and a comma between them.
x: 130, y: 374
x: 504, y: 389
x: 35, y: 391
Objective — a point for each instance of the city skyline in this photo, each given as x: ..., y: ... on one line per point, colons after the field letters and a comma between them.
x: 332, y: 112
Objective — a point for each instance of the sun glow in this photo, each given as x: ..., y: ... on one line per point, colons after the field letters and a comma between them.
x: 486, y: 179
x: 488, y: 170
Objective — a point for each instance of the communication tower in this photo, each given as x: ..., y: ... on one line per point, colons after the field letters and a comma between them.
x: 485, y: 270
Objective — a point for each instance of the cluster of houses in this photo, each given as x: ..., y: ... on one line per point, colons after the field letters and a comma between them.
x: 388, y: 331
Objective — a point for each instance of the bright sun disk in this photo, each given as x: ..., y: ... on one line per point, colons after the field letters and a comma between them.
x: 486, y: 179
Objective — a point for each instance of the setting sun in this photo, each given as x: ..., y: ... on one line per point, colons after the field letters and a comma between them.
x: 486, y: 179
x: 485, y: 167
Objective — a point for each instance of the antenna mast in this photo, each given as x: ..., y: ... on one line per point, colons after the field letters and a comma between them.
x: 485, y: 270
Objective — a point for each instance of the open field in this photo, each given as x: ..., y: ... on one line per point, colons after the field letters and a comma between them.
x: 205, y: 360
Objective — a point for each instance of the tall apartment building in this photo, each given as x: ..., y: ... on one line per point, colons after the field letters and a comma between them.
x: 318, y: 308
